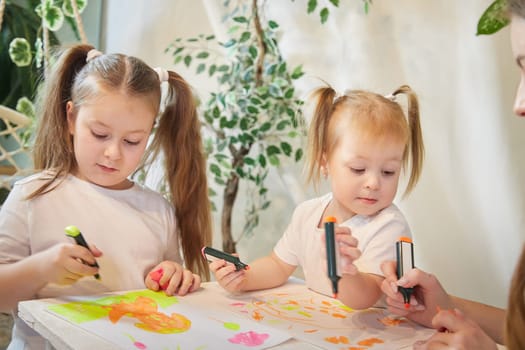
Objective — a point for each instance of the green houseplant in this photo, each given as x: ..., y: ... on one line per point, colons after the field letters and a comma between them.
x: 27, y: 35
x: 253, y: 118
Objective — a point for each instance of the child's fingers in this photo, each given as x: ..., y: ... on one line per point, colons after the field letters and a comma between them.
x: 183, y: 285
x: 196, y: 283
x: 349, y: 252
x: 389, y: 270
x: 95, y: 251
x: 225, y: 270
x: 346, y: 240
x: 343, y: 230
x: 233, y: 281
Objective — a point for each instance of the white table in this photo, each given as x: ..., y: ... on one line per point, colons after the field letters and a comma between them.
x: 65, y: 335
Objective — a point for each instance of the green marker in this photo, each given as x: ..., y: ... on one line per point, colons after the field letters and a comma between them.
x: 73, y: 231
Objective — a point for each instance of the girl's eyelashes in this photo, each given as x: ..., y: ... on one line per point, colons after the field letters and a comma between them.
x: 363, y: 170
x: 132, y: 143
x: 98, y: 136
x: 105, y: 136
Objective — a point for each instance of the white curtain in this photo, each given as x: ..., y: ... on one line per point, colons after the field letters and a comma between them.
x: 467, y: 211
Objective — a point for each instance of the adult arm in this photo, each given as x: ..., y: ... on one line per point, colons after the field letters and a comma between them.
x: 430, y: 296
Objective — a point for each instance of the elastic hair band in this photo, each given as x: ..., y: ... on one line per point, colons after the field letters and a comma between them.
x: 338, y: 95
x: 93, y: 53
x: 391, y: 97
x: 162, y: 73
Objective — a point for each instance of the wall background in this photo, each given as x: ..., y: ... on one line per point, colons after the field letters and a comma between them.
x: 467, y: 211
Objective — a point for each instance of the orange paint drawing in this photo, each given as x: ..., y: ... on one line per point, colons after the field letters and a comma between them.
x: 256, y: 315
x: 370, y: 342
x: 338, y: 340
x: 146, y: 311
x: 391, y: 321
x: 329, y: 324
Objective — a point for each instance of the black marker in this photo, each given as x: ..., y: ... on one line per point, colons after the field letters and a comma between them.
x: 332, y: 253
x: 212, y: 254
x: 73, y: 231
x: 405, y: 263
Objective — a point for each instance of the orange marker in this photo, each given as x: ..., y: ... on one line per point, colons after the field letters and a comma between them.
x: 332, y: 254
x: 405, y: 263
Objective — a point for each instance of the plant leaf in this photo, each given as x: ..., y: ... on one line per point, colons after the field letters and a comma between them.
x: 53, y: 18
x: 240, y: 19
x: 202, y: 55
x: 324, y: 15
x: 20, y: 52
x: 312, y: 4
x: 493, y: 19
x: 67, y: 8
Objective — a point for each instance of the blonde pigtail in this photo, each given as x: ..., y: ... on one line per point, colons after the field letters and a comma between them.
x: 416, y: 146
x: 318, y: 132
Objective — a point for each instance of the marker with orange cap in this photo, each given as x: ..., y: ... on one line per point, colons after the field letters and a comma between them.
x: 405, y: 263
x: 212, y: 254
x: 332, y: 253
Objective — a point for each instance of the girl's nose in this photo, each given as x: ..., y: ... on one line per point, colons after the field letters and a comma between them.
x: 372, y: 182
x: 112, y: 151
x: 519, y: 103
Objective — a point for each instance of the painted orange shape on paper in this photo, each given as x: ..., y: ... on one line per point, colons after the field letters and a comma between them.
x: 370, y: 342
x: 390, y: 321
x: 337, y: 340
x: 146, y: 311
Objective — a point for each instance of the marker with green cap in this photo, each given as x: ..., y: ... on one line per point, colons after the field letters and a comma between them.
x: 73, y: 231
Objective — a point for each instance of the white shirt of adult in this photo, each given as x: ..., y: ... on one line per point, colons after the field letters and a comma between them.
x: 301, y: 243
x: 134, y: 228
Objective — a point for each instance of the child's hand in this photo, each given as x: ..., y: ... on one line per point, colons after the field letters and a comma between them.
x: 173, y: 278
x: 227, y: 276
x: 348, y: 251
x: 66, y: 263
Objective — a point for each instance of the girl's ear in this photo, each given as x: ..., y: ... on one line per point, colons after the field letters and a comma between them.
x: 70, y: 117
x: 324, y: 165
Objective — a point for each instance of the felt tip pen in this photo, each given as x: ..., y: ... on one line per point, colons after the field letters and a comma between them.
x: 73, y: 231
x: 405, y: 263
x: 332, y: 253
x: 212, y: 254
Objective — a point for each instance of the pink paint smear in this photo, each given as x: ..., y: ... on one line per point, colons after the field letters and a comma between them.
x: 250, y: 338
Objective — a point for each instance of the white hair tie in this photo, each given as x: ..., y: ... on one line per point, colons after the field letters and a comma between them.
x: 162, y: 73
x: 391, y: 97
x: 92, y: 54
x: 338, y: 95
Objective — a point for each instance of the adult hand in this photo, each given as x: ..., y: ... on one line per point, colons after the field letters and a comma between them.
x: 427, y: 298
x: 457, y: 332
x: 173, y: 278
